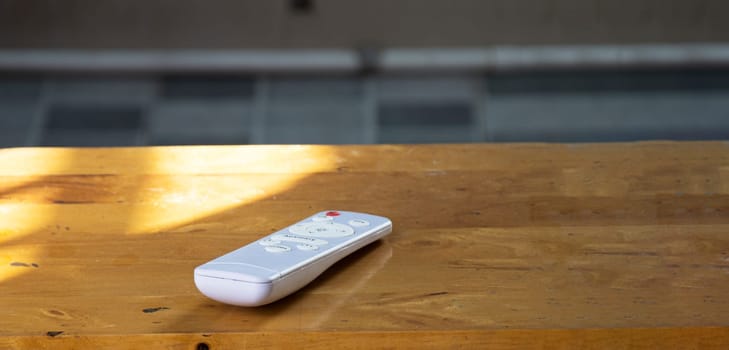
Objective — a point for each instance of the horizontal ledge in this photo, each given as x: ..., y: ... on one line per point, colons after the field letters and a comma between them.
x: 388, y: 60
x: 178, y: 60
x: 549, y: 57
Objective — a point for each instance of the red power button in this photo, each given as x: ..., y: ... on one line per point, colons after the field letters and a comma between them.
x: 332, y: 213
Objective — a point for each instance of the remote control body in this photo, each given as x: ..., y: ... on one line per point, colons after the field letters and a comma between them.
x: 281, y: 263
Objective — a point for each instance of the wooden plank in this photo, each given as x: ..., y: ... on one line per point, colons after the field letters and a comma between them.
x: 541, y: 246
x: 652, y: 338
x: 576, y: 277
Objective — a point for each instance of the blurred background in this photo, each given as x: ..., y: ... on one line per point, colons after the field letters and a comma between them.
x: 133, y: 73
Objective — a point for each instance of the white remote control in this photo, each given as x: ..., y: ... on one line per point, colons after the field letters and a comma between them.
x: 284, y: 261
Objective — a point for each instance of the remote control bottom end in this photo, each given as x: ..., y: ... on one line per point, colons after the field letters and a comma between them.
x: 234, y: 292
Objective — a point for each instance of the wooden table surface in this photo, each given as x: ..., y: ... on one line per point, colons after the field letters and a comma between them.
x: 494, y: 246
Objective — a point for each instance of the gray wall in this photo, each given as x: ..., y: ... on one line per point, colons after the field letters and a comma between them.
x: 356, y: 23
x: 553, y: 107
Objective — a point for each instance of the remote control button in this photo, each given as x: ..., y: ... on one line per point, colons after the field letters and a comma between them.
x: 277, y: 248
x: 327, y: 230
x: 332, y: 213
x: 358, y: 223
x: 298, y: 228
x: 322, y: 218
x: 268, y: 241
x: 298, y: 239
x: 305, y: 246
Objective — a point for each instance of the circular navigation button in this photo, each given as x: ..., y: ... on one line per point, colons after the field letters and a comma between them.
x: 327, y: 230
x: 298, y: 228
x: 358, y: 223
x: 277, y: 248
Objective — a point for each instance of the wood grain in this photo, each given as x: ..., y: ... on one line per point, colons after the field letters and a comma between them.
x: 495, y: 246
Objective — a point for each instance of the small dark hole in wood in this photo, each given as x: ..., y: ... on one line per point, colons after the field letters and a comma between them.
x: 301, y: 6
x: 202, y: 346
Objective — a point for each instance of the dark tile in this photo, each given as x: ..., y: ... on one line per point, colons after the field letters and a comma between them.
x: 16, y: 120
x: 172, y: 117
x: 428, y: 134
x: 320, y: 88
x: 16, y: 116
x: 605, y: 81
x: 90, y: 138
x: 109, y: 90
x: 172, y: 140
x: 14, y: 138
x: 449, y: 114
x: 342, y: 115
x: 208, y: 87
x: 19, y: 88
x: 313, y: 135
x: 645, y: 134
x: 94, y: 117
x: 687, y: 134
x: 611, y: 116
